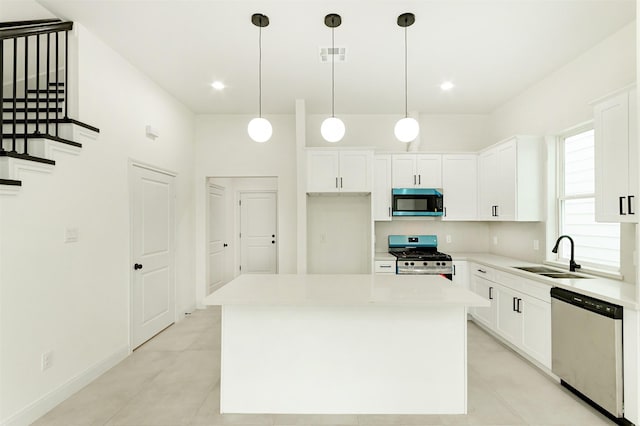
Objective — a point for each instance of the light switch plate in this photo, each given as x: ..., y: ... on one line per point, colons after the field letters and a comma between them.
x: 536, y: 244
x: 448, y: 238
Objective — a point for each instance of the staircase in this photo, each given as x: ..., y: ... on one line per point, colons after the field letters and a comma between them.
x: 34, y: 64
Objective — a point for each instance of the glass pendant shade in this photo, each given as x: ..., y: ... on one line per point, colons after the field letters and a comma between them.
x: 406, y: 129
x: 332, y: 129
x: 260, y: 129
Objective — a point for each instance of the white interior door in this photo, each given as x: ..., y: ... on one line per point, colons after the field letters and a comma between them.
x: 258, y: 233
x: 215, y: 239
x: 153, y: 292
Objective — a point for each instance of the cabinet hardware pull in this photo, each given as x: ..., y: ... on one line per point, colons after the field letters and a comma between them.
x: 490, y: 293
x: 482, y: 271
x: 385, y: 266
x: 513, y: 305
x: 454, y: 269
x: 137, y: 266
x: 414, y: 179
x: 445, y: 212
x: 621, y: 205
x: 629, y: 210
x: 336, y: 182
x: 518, y: 308
x: 419, y: 179
x: 389, y: 211
x: 497, y: 211
x: 340, y: 182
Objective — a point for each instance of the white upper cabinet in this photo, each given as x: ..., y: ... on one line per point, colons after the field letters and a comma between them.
x: 510, y: 180
x: 460, y: 186
x: 416, y: 171
x: 381, y: 194
x: 616, y: 162
x: 339, y: 171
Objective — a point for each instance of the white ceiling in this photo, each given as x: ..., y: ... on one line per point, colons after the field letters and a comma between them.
x: 491, y: 50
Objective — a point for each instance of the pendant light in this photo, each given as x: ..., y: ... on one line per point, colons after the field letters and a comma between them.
x: 407, y: 128
x: 332, y: 128
x: 259, y: 128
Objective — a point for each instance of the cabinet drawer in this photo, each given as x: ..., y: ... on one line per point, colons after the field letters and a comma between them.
x: 483, y: 271
x: 529, y: 287
x: 384, y: 267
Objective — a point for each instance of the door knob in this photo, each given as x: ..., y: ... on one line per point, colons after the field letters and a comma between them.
x: 273, y: 241
x: 273, y: 236
x: 137, y: 266
x: 225, y: 245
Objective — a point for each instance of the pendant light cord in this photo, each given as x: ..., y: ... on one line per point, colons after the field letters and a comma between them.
x: 406, y: 114
x: 333, y: 81
x: 260, y: 73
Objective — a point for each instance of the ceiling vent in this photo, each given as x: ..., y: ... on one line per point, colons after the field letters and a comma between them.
x: 339, y: 53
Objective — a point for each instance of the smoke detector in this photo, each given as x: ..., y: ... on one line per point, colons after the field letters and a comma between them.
x: 339, y: 54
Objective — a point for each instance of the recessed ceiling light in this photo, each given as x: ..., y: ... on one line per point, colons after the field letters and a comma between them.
x: 218, y: 85
x: 447, y: 85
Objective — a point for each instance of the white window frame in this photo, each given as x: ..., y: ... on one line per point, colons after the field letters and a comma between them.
x: 558, y: 199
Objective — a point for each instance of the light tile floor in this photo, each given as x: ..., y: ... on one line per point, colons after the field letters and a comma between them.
x: 174, y: 379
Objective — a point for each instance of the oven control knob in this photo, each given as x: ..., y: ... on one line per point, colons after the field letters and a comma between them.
x: 406, y: 263
x: 438, y: 263
x: 425, y: 263
x: 411, y: 263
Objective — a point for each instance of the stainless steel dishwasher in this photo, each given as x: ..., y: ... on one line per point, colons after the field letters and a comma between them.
x: 587, y: 349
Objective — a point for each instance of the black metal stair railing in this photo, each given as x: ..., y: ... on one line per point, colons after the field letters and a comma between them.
x: 33, y: 50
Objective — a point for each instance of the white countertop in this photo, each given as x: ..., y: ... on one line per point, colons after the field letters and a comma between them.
x: 612, y: 291
x: 343, y: 290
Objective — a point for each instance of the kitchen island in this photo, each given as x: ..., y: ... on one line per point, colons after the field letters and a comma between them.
x: 338, y: 344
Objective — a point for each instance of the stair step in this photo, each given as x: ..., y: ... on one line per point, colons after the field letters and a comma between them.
x: 10, y: 182
x: 53, y: 121
x: 11, y: 154
x: 32, y: 109
x: 9, y: 136
x: 21, y: 100
x: 50, y: 91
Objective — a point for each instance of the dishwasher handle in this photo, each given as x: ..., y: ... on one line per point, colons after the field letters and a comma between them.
x: 589, y: 303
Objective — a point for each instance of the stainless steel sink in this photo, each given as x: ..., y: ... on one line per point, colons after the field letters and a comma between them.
x: 538, y: 269
x: 563, y: 275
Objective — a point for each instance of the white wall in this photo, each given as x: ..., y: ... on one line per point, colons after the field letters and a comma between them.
x: 223, y: 148
x: 465, y: 236
x: 450, y: 133
x: 73, y: 298
x: 556, y: 103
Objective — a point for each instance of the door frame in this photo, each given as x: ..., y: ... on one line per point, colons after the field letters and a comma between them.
x: 140, y: 164
x: 238, y: 216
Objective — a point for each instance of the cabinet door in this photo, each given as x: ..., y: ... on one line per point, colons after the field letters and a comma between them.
x: 322, y: 171
x: 506, y: 181
x: 460, y: 276
x: 487, y: 181
x: 460, y: 186
x: 486, y: 289
x: 355, y: 171
x: 381, y: 187
x: 536, y: 329
x: 404, y: 171
x: 634, y: 178
x: 508, y: 321
x: 611, y: 151
x: 429, y: 170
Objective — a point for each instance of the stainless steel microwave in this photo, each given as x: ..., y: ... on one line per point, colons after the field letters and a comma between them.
x: 416, y: 202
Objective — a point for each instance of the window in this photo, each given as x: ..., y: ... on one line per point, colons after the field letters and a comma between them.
x: 596, y: 244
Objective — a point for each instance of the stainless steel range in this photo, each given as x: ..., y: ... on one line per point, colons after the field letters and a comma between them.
x: 419, y: 255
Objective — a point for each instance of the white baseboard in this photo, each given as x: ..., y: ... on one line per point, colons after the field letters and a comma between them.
x: 43, y: 405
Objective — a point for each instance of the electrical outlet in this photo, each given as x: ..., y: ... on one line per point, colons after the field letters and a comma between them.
x: 71, y: 235
x: 536, y: 244
x: 495, y: 240
x: 47, y: 360
x: 448, y: 238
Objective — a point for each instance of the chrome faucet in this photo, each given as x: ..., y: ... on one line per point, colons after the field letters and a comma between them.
x: 572, y: 263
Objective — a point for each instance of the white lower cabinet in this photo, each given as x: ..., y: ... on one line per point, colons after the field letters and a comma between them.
x: 460, y: 275
x: 520, y: 316
x: 384, y: 267
x: 485, y: 288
